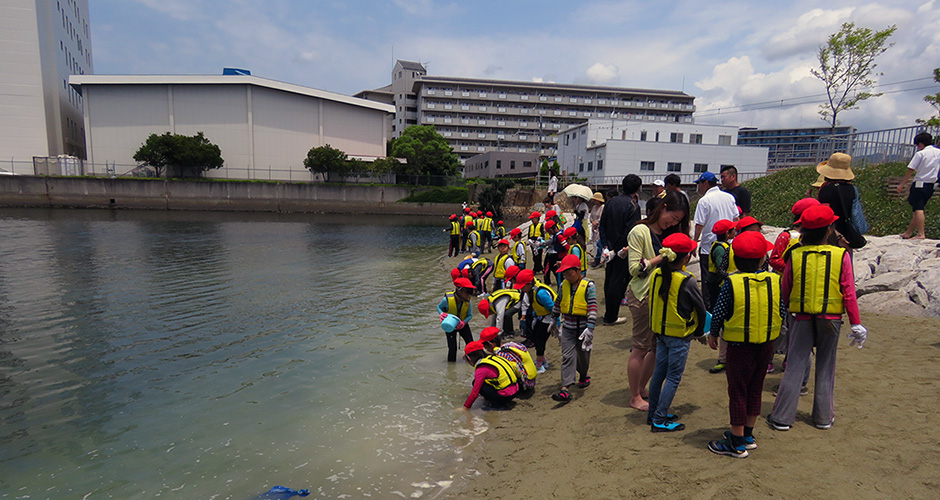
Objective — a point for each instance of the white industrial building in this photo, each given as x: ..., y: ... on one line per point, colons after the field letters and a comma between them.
x: 42, y: 42
x: 604, y: 151
x: 264, y: 127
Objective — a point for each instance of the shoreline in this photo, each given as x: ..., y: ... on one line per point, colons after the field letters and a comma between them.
x: 598, y: 447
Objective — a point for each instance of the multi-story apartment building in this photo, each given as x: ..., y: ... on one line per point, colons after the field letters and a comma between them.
x: 43, y: 42
x: 477, y: 116
x: 794, y: 147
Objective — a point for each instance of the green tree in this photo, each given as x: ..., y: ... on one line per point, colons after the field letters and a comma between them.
x: 326, y: 160
x: 179, y: 155
x: 544, y: 169
x: 846, y: 63
x: 934, y: 100
x: 492, y: 196
x: 385, y: 165
x: 426, y: 151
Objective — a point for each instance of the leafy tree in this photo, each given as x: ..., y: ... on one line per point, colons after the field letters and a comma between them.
x: 934, y: 100
x: 426, y: 150
x: 544, y: 169
x: 385, y: 165
x: 179, y: 155
x: 492, y: 196
x: 326, y: 160
x: 846, y: 63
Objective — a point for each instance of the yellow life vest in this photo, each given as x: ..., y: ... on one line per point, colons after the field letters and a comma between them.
x: 514, y: 296
x: 507, y: 372
x: 500, y: 271
x: 664, y: 314
x: 541, y: 310
x: 480, y: 265
x: 535, y: 230
x: 461, y: 311
x: 514, y: 251
x: 527, y: 364
x: 454, y: 228
x: 574, y: 304
x: 582, y: 255
x: 500, y: 231
x: 756, y: 315
x: 816, y: 273
x: 713, y: 267
x: 466, y: 219
x: 486, y: 224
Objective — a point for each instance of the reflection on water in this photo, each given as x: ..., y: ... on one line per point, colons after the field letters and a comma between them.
x: 216, y: 355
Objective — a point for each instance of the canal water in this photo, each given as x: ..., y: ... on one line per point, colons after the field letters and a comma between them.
x: 215, y: 355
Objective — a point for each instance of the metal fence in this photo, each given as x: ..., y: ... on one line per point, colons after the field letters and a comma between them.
x: 877, y: 146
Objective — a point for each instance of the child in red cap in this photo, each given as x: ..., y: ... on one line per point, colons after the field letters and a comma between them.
x: 720, y: 265
x: 503, y: 262
x: 517, y: 248
x: 551, y: 246
x: 457, y: 303
x: 819, y: 284
x: 538, y: 300
x: 454, y: 249
x: 578, y: 310
x: 517, y: 353
x: 486, y: 232
x: 574, y: 245
x: 748, y: 315
x: 499, y: 307
x: 677, y: 313
x: 494, y: 378
x: 534, y: 233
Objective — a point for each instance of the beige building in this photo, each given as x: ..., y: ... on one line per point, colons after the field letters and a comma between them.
x: 502, y: 164
x: 42, y: 42
x: 477, y: 116
x: 264, y: 127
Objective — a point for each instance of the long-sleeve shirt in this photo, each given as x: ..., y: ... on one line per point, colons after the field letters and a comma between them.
x: 500, y: 310
x: 480, y: 374
x: 572, y: 321
x: 724, y: 306
x: 642, y: 247
x: 520, y: 250
x: 442, y: 308
x: 780, y: 246
x: 543, y: 298
x: 846, y: 285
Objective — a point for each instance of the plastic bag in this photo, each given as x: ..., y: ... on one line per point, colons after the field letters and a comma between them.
x: 281, y: 493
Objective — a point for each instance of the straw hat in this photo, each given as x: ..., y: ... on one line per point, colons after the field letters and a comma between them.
x: 598, y: 197
x: 838, y: 167
x: 819, y: 181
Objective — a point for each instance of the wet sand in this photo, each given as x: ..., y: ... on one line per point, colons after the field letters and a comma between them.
x: 885, y: 442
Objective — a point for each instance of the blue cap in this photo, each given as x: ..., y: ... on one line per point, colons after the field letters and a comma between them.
x: 706, y: 176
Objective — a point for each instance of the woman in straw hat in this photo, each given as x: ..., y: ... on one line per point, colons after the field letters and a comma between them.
x: 839, y: 192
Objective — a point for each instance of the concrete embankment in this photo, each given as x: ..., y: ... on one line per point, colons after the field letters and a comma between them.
x: 163, y: 194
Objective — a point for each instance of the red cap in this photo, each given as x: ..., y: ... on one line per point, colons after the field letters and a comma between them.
x: 550, y: 214
x: 466, y: 210
x: 469, y: 223
x: 679, y: 243
x: 479, y: 213
x: 549, y: 224
x: 489, y: 333
x: 503, y: 241
x: 747, y: 221
x: 454, y: 273
x: 466, y: 272
x: 463, y: 283
x: 751, y: 245
x: 571, y: 231
x: 474, y: 346
x: 800, y: 206
x: 484, y: 308
x: 489, y: 214
x: 570, y: 261
x: 511, y: 272
x: 452, y: 216
x: 524, y: 277
x: 818, y: 216
x: 515, y: 232
x: 722, y: 226
x: 499, y: 223
x: 534, y: 215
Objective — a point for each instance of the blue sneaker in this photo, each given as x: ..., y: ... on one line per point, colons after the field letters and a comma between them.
x: 669, y: 418
x: 667, y: 427
x: 750, y: 443
x: 727, y: 448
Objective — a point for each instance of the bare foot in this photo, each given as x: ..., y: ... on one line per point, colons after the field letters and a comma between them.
x: 639, y: 404
x: 645, y: 394
x: 917, y: 237
x: 905, y: 236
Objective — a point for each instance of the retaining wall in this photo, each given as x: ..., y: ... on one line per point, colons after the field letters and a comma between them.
x: 161, y: 194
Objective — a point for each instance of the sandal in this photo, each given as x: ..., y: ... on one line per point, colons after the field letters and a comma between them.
x: 584, y: 383
x: 669, y: 418
x: 562, y: 396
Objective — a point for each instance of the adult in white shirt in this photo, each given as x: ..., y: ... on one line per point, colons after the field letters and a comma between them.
x: 713, y: 206
x: 924, y: 166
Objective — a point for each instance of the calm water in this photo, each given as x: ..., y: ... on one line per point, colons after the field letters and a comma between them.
x: 181, y: 355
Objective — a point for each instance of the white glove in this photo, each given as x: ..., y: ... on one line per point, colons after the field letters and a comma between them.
x: 622, y: 253
x: 858, y: 336
x: 587, y: 339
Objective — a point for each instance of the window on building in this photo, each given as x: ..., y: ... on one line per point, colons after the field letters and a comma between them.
x: 581, y: 167
x: 499, y: 163
x: 566, y: 139
x: 590, y: 166
x: 724, y: 140
x: 675, y: 137
x: 527, y: 164
x: 673, y: 167
x: 695, y: 138
x: 600, y: 165
x: 657, y: 136
x: 647, y: 166
x: 512, y: 164
x: 643, y: 135
x: 700, y: 167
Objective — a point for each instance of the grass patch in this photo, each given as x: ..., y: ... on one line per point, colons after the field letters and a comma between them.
x: 773, y: 195
x: 439, y: 195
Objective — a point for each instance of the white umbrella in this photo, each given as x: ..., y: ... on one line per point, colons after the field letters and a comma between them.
x: 579, y: 191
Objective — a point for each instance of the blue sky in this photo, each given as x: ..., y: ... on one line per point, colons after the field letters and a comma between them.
x: 726, y: 53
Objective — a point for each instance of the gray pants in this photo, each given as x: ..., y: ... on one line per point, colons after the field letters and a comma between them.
x: 804, y: 334
x: 573, y: 358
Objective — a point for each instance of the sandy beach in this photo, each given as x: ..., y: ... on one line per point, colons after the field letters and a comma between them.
x: 885, y: 442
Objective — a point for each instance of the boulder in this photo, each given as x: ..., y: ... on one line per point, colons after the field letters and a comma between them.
x: 883, y: 282
x: 895, y: 303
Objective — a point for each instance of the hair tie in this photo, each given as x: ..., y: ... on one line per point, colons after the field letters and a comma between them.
x: 668, y: 253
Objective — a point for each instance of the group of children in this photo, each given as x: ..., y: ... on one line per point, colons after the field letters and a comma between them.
x: 473, y: 231
x: 802, y: 290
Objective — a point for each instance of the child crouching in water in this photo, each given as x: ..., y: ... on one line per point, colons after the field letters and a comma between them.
x: 751, y: 309
x: 677, y: 313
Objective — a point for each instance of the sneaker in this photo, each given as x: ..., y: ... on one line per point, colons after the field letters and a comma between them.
x: 540, y: 369
x: 826, y: 426
x: 562, y: 396
x: 804, y: 390
x: 667, y: 427
x: 750, y: 443
x: 547, y: 365
x: 725, y: 447
x: 584, y: 383
x: 669, y: 418
x: 777, y: 426
x: 770, y: 368
x: 621, y: 320
x: 718, y: 368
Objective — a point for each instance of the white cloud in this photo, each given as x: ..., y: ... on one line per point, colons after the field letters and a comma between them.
x: 808, y: 32
x: 603, y: 74
x: 181, y: 10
